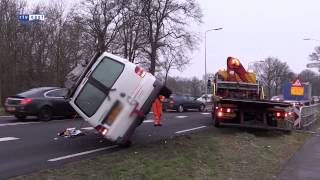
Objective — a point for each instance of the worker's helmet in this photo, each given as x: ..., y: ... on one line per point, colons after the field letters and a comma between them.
x: 161, y: 98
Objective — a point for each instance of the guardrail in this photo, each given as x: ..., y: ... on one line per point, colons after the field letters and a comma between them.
x: 307, y: 115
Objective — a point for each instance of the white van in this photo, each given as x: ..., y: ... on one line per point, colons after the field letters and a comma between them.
x: 114, y: 95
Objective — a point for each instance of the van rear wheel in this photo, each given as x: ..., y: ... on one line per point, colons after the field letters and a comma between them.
x: 20, y: 117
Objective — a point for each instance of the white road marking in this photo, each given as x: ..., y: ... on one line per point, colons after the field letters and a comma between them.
x: 19, y: 123
x: 6, y: 116
x: 8, y: 139
x: 82, y: 153
x: 148, y: 121
x: 192, y: 129
x: 88, y: 128
x: 205, y: 113
x: 181, y: 117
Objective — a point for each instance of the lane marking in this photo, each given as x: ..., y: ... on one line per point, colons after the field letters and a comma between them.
x: 82, y: 153
x: 192, y: 129
x: 6, y: 116
x: 181, y: 117
x: 19, y: 123
x: 88, y: 128
x: 8, y: 139
x: 205, y: 113
x: 148, y: 121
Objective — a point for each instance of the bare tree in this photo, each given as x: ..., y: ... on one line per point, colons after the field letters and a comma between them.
x: 100, y: 19
x: 173, y: 58
x: 312, y: 77
x: 167, y: 24
x: 273, y: 73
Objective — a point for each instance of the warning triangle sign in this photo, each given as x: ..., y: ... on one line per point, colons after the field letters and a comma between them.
x: 297, y: 83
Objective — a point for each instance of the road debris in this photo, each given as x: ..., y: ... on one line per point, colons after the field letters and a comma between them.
x: 71, y: 132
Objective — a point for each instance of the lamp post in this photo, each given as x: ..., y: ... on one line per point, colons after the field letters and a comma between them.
x: 205, y: 54
x: 311, y: 39
x: 313, y: 65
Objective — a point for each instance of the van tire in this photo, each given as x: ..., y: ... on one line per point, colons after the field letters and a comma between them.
x: 126, y: 144
x: 20, y: 117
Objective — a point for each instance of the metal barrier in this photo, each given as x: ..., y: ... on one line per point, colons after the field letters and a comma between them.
x: 307, y: 116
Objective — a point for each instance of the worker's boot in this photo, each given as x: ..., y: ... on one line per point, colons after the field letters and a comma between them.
x: 157, y: 122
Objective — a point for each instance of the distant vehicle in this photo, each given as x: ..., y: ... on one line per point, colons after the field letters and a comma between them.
x: 113, y: 95
x: 43, y: 102
x: 277, y: 98
x: 205, y: 98
x: 182, y: 103
x: 315, y: 99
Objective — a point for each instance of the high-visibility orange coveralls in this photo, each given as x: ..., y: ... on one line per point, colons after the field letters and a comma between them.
x: 157, y: 110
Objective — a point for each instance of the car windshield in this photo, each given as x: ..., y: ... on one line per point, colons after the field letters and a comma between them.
x: 98, y: 86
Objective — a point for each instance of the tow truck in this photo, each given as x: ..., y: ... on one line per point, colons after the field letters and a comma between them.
x: 239, y: 100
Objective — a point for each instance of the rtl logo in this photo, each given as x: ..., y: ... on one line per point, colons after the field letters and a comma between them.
x: 31, y: 17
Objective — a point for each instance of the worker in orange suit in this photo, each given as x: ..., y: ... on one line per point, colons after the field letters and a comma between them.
x: 157, y: 110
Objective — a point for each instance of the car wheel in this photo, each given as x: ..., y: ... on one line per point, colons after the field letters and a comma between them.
x: 202, y: 108
x: 180, y: 109
x: 45, y: 114
x: 20, y: 117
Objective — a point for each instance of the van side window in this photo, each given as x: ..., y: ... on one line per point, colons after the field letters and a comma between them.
x: 95, y: 91
x: 108, y: 72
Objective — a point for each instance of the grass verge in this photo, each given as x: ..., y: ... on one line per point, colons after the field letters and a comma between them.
x: 211, y: 154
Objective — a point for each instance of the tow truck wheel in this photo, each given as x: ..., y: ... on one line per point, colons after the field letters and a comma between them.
x: 216, y: 122
x: 180, y: 109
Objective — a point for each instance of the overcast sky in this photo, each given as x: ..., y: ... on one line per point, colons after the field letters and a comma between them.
x: 254, y: 30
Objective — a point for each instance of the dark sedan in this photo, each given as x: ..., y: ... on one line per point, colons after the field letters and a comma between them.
x: 182, y: 103
x: 43, y: 102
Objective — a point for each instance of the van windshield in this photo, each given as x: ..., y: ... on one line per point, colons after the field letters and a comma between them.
x: 98, y: 85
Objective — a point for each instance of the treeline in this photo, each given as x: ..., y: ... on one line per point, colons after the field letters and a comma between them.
x: 273, y: 74
x: 152, y: 33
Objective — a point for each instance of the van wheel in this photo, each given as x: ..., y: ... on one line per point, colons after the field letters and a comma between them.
x: 45, y: 114
x: 202, y: 108
x: 180, y: 109
x: 126, y: 144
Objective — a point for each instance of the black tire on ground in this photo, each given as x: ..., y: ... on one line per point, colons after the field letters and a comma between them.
x: 216, y: 122
x: 202, y: 108
x: 126, y: 144
x: 45, y: 114
x: 180, y: 109
x: 20, y: 117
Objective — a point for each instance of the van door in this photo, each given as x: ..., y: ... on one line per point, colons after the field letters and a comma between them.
x: 111, y: 78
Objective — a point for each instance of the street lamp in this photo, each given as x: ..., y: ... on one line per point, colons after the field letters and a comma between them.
x: 205, y: 54
x: 311, y: 39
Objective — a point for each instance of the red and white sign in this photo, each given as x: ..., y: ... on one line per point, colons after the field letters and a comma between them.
x: 297, y: 83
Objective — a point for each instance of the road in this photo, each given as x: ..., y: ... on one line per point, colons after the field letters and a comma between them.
x: 28, y: 146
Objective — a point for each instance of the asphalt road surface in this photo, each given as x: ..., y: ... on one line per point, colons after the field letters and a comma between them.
x: 28, y: 146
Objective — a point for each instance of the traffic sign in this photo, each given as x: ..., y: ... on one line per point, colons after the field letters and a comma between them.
x: 313, y: 65
x: 297, y: 83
